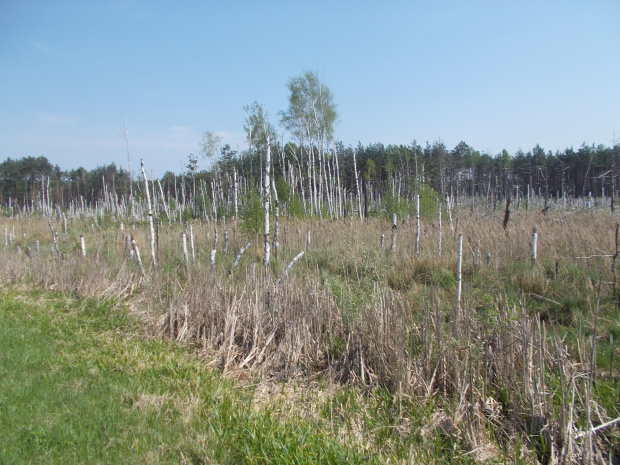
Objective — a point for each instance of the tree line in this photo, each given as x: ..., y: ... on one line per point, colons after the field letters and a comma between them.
x: 313, y: 174
x: 382, y: 171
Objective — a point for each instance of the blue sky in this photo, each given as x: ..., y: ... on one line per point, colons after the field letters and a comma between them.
x: 495, y: 74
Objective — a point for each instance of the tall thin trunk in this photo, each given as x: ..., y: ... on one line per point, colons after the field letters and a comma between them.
x: 161, y: 193
x: 267, y: 195
x: 357, y: 188
x: 276, y: 219
x: 235, y: 193
x: 459, y: 282
x: 150, y: 218
x: 417, y: 222
x: 439, y: 238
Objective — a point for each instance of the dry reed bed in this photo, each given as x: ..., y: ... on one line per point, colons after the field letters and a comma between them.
x: 491, y: 365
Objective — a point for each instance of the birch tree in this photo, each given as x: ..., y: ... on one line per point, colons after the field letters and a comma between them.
x: 256, y: 128
x: 210, y: 145
x: 310, y: 118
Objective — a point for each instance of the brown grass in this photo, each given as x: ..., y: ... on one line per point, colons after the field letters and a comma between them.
x: 354, y: 313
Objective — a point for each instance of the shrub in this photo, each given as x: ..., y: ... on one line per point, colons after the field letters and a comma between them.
x: 252, y: 213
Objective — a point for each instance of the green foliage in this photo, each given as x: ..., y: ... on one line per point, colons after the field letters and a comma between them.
x: 428, y: 204
x: 187, y: 214
x: 312, y: 111
x: 257, y: 126
x: 282, y: 188
x: 203, y: 205
x: 395, y: 204
x: 252, y: 213
x: 296, y: 208
x: 399, y: 205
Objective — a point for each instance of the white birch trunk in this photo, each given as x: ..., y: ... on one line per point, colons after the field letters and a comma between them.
x: 276, y: 222
x: 340, y: 203
x: 163, y: 199
x: 290, y: 265
x: 357, y: 188
x: 267, y: 196
x: 459, y: 282
x: 82, y: 245
x: 534, y: 245
x: 241, y: 252
x: 150, y: 218
x: 311, y: 167
x: 417, y: 221
x: 184, y: 246
x: 394, y: 228
x: 439, y: 239
x: 449, y: 208
x: 191, y: 242
x: 235, y: 193
x: 137, y: 253
x: 54, y: 237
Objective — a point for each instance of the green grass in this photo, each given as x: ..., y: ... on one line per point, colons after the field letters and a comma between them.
x: 79, y: 383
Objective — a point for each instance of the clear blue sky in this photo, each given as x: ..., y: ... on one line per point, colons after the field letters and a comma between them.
x: 495, y: 74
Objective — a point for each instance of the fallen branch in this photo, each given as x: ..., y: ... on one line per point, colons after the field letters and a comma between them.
x: 290, y: 265
x: 598, y: 428
x: 594, y: 256
x: 243, y: 249
x: 543, y: 299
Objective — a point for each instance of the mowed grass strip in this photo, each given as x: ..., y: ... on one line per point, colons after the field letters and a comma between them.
x: 79, y: 384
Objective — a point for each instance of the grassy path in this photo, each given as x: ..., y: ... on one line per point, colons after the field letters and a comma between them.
x: 78, y: 384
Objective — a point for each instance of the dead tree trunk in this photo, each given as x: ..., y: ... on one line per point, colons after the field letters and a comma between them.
x: 267, y: 196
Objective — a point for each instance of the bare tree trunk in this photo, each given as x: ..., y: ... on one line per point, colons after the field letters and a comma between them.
x: 340, y: 203
x: 357, y: 188
x: 276, y: 220
x: 439, y: 239
x: 459, y: 281
x: 267, y: 195
x: 290, y: 265
x: 191, y: 242
x: 150, y: 219
x: 138, y: 258
x: 315, y: 196
x: 613, y: 267
x: 184, y: 247
x: 417, y: 222
x: 239, y: 254
x: 82, y: 245
x: 394, y: 227
x: 235, y: 193
x: 163, y: 198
